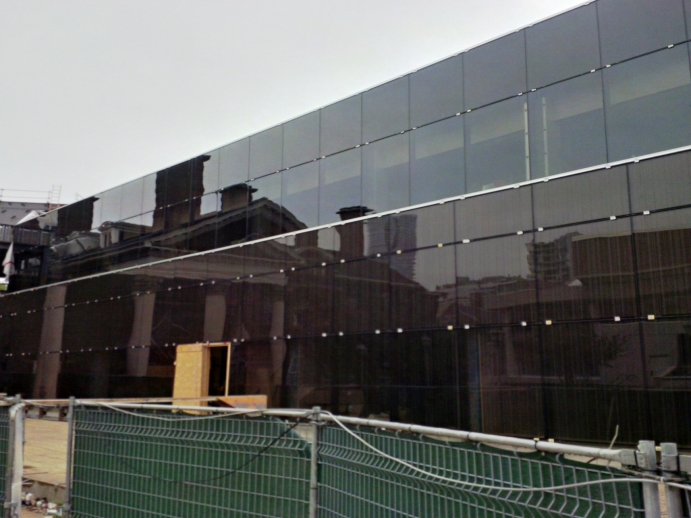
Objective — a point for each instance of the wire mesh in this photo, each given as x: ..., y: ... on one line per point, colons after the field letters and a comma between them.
x: 356, y: 481
x: 139, y: 464
x: 4, y: 448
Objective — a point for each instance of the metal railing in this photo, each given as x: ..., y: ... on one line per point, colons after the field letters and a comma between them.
x: 151, y: 459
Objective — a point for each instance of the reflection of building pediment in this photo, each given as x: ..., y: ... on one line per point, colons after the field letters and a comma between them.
x: 114, y: 233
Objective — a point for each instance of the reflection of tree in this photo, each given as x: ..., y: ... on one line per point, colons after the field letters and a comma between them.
x: 578, y: 355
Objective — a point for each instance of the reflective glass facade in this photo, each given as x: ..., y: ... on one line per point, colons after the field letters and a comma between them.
x: 546, y: 306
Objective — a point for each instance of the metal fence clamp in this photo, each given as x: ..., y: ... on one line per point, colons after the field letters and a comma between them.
x: 670, y: 468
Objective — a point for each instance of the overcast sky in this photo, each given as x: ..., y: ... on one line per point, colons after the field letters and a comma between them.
x: 94, y: 93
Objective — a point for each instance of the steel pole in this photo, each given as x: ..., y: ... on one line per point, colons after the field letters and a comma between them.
x: 314, y: 464
x: 67, y: 506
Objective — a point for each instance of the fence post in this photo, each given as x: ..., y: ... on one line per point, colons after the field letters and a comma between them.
x: 15, y: 461
x: 670, y: 468
x: 314, y: 464
x: 647, y: 461
x: 67, y: 506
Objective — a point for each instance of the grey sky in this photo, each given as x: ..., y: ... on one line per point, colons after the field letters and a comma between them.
x: 96, y: 93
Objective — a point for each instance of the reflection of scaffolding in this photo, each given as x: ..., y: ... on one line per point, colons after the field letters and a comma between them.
x: 50, y: 198
x: 54, y: 197
x: 24, y: 195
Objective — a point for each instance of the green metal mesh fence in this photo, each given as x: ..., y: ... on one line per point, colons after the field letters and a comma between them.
x: 4, y: 448
x: 357, y: 482
x: 143, y: 464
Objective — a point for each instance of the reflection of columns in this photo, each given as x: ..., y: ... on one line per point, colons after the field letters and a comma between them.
x: 48, y: 365
x: 138, y: 359
x: 214, y: 316
x: 278, y: 346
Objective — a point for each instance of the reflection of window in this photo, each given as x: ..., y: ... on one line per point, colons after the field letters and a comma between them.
x: 497, y: 145
x: 652, y: 91
x: 657, y: 76
x: 683, y: 353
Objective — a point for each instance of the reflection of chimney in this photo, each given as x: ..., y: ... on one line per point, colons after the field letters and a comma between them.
x: 178, y: 192
x: 236, y: 197
x: 352, y: 235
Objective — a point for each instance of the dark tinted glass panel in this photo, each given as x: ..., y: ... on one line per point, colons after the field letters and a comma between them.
x: 496, y: 145
x: 266, y: 152
x: 227, y: 265
x: 567, y: 126
x: 79, y: 216
x: 309, y: 301
x: 593, y: 372
x: 437, y: 168
x: 197, y: 176
x: 431, y: 226
x: 436, y: 91
x: 341, y: 125
x: 234, y: 163
x: 208, y: 204
x: 300, y: 197
x: 96, y: 211
x: 267, y: 257
x: 495, y: 281
x: 563, y: 46
x: 149, y: 194
x: 179, y: 182
x: 506, y: 393
x: 649, y: 92
x: 422, y: 287
x: 264, y: 213
x: 209, y: 168
x: 585, y: 271
x: 132, y: 193
x: 301, y: 139
x: 340, y: 187
x: 495, y: 70
x: 233, y: 202
x: 583, y: 197
x: 358, y: 284
x: 503, y: 212
x: 111, y: 204
x: 311, y: 248
x: 350, y: 240
x: 661, y: 182
x: 260, y: 314
x: 667, y: 348
x: 630, y: 28
x: 385, y: 182
x: 663, y: 253
x: 385, y: 110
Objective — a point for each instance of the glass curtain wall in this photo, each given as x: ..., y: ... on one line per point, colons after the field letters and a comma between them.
x: 505, y: 312
x: 603, y: 82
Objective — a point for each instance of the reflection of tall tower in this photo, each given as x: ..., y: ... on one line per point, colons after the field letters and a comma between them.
x: 552, y: 261
x: 396, y: 232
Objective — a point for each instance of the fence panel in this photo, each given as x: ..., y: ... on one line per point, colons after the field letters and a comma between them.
x: 144, y: 464
x: 4, y: 448
x: 356, y: 481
